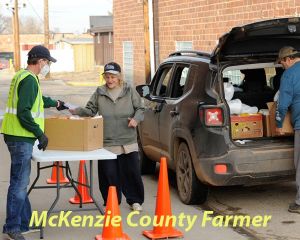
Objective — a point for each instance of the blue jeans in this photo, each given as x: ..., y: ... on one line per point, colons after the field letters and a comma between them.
x: 297, y: 163
x: 18, y: 209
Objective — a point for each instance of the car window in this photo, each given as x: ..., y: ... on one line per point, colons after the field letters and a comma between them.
x: 180, y: 79
x: 235, y: 77
x: 163, y: 80
x: 242, y: 78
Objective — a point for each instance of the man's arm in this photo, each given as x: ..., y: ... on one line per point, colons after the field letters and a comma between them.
x: 91, y: 108
x: 138, y: 105
x: 49, y: 102
x: 285, y: 98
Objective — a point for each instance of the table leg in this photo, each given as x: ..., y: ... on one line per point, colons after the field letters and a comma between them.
x: 29, y: 191
x: 57, y: 190
x: 41, y: 233
x: 91, y: 189
x: 55, y: 200
x: 68, y: 171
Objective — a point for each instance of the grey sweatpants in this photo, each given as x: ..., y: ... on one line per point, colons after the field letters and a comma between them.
x: 297, y: 163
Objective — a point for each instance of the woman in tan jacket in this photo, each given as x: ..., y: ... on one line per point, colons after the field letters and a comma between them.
x: 122, y: 109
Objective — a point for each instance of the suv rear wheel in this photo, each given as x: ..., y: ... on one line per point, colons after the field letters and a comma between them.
x: 190, y: 189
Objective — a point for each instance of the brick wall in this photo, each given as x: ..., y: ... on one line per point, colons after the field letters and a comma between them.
x: 199, y: 21
x: 128, y: 26
x: 7, y: 41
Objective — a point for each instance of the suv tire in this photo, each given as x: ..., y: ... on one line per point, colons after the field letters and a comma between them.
x: 147, y: 166
x: 190, y: 189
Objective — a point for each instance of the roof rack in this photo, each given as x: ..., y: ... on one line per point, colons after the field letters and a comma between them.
x: 189, y: 52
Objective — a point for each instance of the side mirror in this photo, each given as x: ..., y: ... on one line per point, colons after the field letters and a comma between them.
x: 143, y: 90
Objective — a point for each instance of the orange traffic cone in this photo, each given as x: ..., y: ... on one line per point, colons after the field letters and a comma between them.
x: 62, y: 178
x: 163, y: 207
x: 110, y: 231
x: 83, y: 190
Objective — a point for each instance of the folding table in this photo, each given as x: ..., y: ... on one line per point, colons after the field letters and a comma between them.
x: 67, y: 156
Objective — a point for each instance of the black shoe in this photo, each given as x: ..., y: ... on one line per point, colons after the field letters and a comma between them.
x: 294, y: 208
x: 16, y: 236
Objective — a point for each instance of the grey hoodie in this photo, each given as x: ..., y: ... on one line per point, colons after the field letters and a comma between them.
x: 115, y: 114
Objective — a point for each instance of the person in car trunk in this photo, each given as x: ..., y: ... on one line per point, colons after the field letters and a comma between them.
x: 122, y: 109
x: 289, y: 96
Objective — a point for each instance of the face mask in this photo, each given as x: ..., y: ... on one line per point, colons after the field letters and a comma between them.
x: 45, y: 70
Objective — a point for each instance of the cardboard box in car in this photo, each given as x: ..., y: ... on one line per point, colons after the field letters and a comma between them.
x: 287, y: 127
x: 246, y: 126
x: 267, y: 125
x: 74, y: 134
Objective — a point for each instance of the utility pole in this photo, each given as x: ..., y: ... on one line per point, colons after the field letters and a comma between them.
x: 46, y: 29
x: 149, y: 40
x: 13, y: 6
x: 46, y: 24
x: 16, y: 36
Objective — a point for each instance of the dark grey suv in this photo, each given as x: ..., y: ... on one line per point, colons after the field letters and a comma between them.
x: 188, y: 120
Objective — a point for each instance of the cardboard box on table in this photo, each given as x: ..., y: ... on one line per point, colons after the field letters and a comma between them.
x: 287, y: 127
x: 74, y: 134
x: 246, y: 126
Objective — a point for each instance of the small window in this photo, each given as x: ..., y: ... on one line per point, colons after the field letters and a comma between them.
x: 163, y: 80
x: 110, y: 37
x: 98, y: 38
x: 184, y: 45
x: 180, y: 78
x: 128, y: 61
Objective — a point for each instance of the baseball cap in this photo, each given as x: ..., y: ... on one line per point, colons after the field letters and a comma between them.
x: 40, y: 51
x: 112, y: 67
x: 286, y: 51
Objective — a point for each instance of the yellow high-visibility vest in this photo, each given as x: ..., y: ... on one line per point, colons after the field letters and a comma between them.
x: 11, y: 124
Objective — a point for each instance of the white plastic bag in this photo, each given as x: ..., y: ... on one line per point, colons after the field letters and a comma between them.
x: 228, y: 90
x: 264, y: 111
x: 248, y: 109
x: 235, y: 106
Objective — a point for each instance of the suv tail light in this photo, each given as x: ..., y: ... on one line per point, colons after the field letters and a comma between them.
x: 214, y: 117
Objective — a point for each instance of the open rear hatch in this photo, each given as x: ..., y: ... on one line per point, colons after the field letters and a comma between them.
x: 261, y: 39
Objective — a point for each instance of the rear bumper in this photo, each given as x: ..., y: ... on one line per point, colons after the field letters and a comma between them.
x: 248, y: 167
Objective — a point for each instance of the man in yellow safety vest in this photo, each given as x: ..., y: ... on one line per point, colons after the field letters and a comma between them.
x: 22, y: 124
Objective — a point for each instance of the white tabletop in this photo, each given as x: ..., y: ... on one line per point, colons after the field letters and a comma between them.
x: 58, y: 155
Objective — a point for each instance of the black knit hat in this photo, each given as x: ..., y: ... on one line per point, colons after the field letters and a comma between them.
x: 40, y: 51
